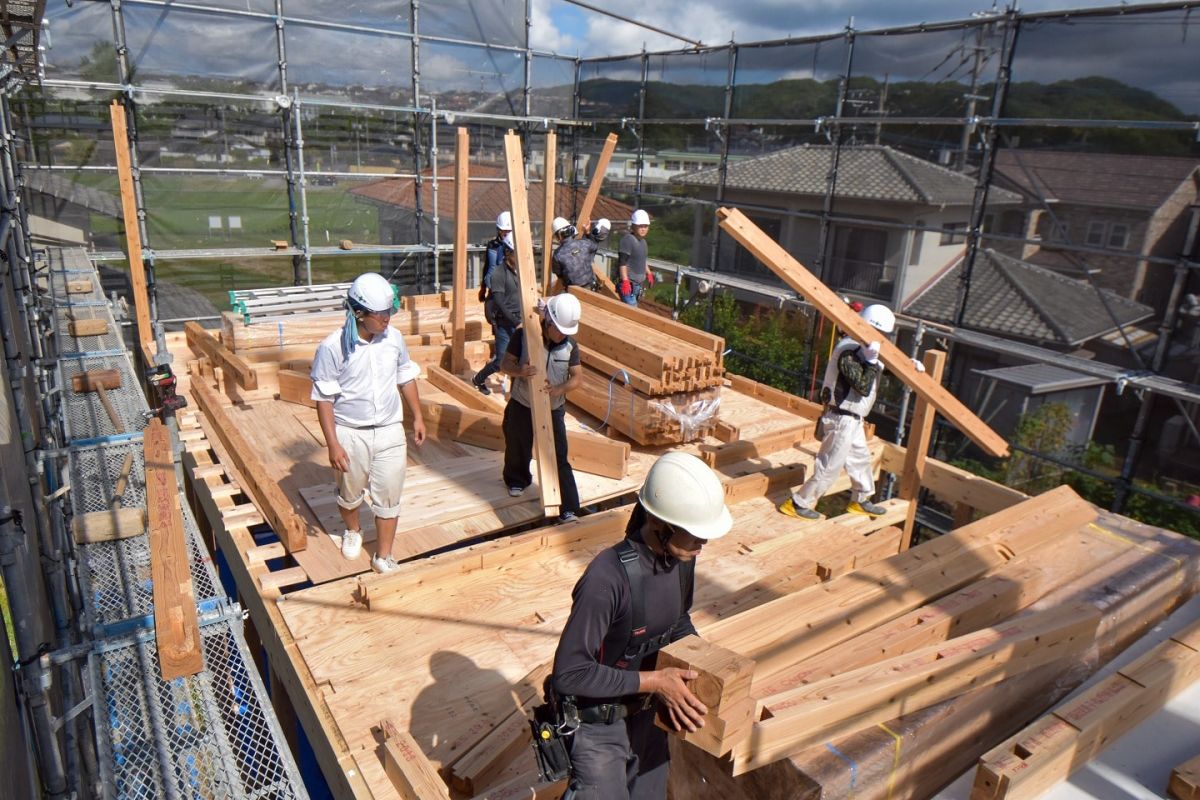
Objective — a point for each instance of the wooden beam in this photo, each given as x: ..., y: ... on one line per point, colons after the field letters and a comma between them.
x: 205, y: 344
x: 462, y: 193
x: 133, y: 235
x: 693, y: 336
x: 87, y: 327
x: 954, y: 484
x: 108, y: 526
x: 593, y: 192
x: 919, y: 432
x: 829, y: 709
x: 176, y: 626
x: 296, y: 387
x: 1185, y: 781
x: 764, y: 445
x: 722, y: 684
x: 259, y: 483
x: 410, y: 772
x: 543, y: 433
x: 548, y: 190
x: 461, y: 391
x: 784, y: 631
x: 779, y: 261
x: 1055, y: 746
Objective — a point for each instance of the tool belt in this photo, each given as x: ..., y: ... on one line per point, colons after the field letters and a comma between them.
x: 841, y: 412
x: 553, y: 723
x: 608, y: 713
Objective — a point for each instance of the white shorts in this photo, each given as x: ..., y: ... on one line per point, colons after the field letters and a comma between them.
x: 378, y: 457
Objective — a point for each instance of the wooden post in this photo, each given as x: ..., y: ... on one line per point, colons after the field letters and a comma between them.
x: 918, y: 444
x: 770, y: 253
x: 543, y: 433
x: 462, y: 192
x: 548, y: 208
x: 176, y: 626
x: 133, y: 235
x: 589, y: 199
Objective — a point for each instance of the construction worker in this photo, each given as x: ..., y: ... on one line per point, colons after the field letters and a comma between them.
x: 633, y: 599
x: 631, y: 259
x: 848, y: 393
x: 494, y: 253
x: 573, y: 257
x: 355, y: 374
x: 503, y: 308
x: 562, y: 374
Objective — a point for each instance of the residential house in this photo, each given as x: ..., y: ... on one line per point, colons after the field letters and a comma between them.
x: 1132, y: 206
x: 881, y: 195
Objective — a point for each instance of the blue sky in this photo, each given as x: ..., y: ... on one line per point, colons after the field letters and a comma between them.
x: 571, y: 30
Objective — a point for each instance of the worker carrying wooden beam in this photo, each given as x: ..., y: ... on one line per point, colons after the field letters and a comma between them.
x: 573, y: 257
x: 634, y: 599
x: 356, y: 372
x: 563, y: 374
x: 502, y: 307
x: 848, y: 393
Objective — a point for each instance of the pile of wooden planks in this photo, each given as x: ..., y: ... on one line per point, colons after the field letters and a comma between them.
x: 309, y: 329
x: 946, y: 646
x: 652, y: 379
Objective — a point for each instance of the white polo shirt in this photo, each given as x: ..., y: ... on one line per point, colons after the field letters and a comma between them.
x: 362, y: 388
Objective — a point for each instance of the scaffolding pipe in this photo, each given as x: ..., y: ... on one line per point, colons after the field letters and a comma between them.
x: 303, y: 182
x: 418, y: 183
x: 433, y: 191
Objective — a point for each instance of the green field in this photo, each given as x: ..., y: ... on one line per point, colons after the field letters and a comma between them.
x: 179, y: 208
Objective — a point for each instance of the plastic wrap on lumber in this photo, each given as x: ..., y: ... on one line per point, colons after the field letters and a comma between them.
x: 648, y: 420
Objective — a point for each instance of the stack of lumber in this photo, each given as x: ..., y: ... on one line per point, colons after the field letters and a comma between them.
x: 893, y: 678
x: 308, y: 329
x: 665, y: 376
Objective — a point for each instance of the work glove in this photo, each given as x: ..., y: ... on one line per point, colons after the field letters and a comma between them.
x: 649, y: 277
x: 869, y: 353
x: 626, y: 287
x: 918, y: 366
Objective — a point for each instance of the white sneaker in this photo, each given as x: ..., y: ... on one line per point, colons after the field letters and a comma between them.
x: 351, y: 544
x: 383, y: 564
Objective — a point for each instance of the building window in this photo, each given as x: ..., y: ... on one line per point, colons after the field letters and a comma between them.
x: 673, y: 166
x: 631, y: 165
x: 1095, y: 234
x: 953, y: 233
x: 1118, y: 236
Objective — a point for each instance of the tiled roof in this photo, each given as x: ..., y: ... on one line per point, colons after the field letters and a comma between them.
x: 1095, y: 178
x: 1013, y: 298
x: 869, y: 173
x: 488, y: 198
x: 62, y: 187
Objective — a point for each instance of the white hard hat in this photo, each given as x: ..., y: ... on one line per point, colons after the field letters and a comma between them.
x: 371, y: 292
x: 879, y: 317
x: 639, y: 217
x: 559, y: 224
x: 602, y: 224
x: 564, y: 311
x: 504, y: 221
x: 681, y: 490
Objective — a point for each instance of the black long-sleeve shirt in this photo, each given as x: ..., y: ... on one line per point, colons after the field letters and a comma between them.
x: 600, y: 622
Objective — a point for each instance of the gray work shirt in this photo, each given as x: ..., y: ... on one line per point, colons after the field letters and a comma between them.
x: 559, y: 360
x: 632, y: 255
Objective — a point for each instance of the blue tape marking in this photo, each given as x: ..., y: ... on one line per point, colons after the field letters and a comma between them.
x: 850, y: 761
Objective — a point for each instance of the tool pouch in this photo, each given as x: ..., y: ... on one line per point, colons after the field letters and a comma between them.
x: 552, y: 724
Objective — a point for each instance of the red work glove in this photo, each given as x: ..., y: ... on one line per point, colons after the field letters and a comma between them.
x: 626, y: 287
x: 649, y: 278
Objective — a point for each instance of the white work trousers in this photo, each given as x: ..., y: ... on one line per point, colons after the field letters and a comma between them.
x: 844, y: 444
x: 378, y: 457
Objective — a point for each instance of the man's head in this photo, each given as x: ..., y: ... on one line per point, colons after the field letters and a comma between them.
x: 510, y: 250
x: 639, y: 223
x: 371, y: 300
x: 562, y: 229
x: 600, y: 229
x: 503, y: 223
x: 879, y: 317
x: 562, y: 317
x: 685, y: 505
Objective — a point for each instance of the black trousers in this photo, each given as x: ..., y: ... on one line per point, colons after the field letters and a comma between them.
x: 628, y: 760
x: 518, y: 449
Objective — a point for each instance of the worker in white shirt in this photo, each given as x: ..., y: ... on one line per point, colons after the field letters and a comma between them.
x: 355, y: 374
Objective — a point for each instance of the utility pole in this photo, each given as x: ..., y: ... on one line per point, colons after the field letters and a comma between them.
x: 881, y: 108
x: 972, y: 97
